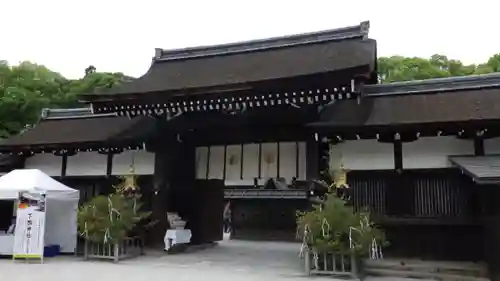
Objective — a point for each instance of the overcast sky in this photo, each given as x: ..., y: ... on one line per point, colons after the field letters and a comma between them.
x: 120, y: 35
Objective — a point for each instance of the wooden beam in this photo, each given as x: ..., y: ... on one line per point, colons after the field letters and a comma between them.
x: 259, y: 164
x: 312, y: 159
x: 398, y: 155
x: 208, y: 162
x: 241, y: 161
x: 64, y: 165
x: 297, y: 159
x: 277, y: 160
x: 479, y: 146
x: 109, y: 164
x: 224, y: 167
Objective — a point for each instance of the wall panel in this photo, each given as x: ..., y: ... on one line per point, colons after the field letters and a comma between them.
x: 142, y: 161
x: 47, y: 163
x: 433, y: 152
x: 86, y: 164
x: 242, y: 162
x: 362, y: 155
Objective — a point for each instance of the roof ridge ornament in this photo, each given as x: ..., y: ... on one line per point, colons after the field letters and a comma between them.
x: 359, y: 31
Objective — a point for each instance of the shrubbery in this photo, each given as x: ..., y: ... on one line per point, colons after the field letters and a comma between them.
x: 334, y: 226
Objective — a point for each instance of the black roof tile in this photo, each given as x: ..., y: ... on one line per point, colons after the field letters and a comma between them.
x: 65, y: 130
x: 445, y: 100
x: 188, y: 69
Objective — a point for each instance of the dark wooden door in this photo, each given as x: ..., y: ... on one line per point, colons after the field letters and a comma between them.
x: 209, y: 209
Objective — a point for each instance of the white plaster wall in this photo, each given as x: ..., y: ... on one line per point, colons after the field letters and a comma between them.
x: 362, y: 155
x: 201, y: 162
x: 268, y: 162
x: 233, y: 163
x: 142, y: 160
x: 250, y: 163
x: 47, y: 163
x: 492, y: 146
x: 86, y: 164
x: 216, y: 162
x: 288, y: 163
x: 433, y: 152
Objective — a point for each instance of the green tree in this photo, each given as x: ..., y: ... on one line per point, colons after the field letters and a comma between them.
x: 399, y: 68
x: 27, y: 88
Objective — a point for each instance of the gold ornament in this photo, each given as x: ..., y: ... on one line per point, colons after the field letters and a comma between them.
x: 129, y: 182
x: 340, y: 177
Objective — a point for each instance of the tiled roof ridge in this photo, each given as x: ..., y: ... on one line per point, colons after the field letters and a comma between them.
x: 71, y: 113
x: 359, y: 31
x: 447, y: 84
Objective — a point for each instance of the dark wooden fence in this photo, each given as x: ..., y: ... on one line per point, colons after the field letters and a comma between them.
x: 430, y: 214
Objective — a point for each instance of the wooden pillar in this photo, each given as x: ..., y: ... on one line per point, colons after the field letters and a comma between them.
x: 479, y: 146
x: 64, y: 164
x: 161, y: 185
x: 398, y: 155
x: 174, y: 170
x: 109, y: 164
x: 400, y: 191
x: 312, y: 159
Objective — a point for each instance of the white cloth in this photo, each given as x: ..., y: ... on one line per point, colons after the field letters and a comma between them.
x: 6, y: 244
x: 177, y: 236
x: 61, y: 204
x: 35, y: 183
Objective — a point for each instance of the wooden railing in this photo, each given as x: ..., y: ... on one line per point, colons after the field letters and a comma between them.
x: 330, y: 263
x: 128, y: 248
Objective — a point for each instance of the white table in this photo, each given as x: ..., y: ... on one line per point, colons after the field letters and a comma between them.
x: 176, y: 236
x: 6, y: 244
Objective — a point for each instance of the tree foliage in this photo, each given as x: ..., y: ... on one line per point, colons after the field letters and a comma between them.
x: 110, y: 219
x: 334, y: 226
x: 398, y: 68
x: 28, y: 87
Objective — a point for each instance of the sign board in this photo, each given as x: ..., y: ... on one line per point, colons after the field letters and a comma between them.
x: 29, y: 233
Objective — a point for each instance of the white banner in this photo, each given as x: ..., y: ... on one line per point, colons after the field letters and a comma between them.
x: 29, y: 233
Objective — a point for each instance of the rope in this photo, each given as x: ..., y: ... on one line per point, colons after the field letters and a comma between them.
x: 112, y: 210
x: 107, y: 236
x: 304, y: 246
x: 325, y: 228
x: 85, y: 232
x: 316, y: 259
x: 351, y: 241
x: 375, y: 250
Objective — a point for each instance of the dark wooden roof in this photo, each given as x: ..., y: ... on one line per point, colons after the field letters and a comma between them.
x: 254, y: 61
x: 448, y: 100
x: 483, y: 169
x: 59, y: 129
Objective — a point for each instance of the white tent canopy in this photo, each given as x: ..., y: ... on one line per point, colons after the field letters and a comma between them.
x: 34, y: 182
x: 61, y: 204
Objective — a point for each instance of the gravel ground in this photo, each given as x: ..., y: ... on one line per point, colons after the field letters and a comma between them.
x: 230, y: 260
